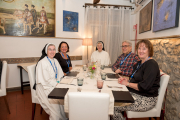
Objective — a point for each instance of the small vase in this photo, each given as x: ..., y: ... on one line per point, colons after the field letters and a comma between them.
x: 91, y: 75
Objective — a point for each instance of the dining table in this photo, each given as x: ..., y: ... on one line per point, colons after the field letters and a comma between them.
x: 69, y: 83
x: 23, y: 66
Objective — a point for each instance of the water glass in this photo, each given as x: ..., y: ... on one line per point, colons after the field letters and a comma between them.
x: 100, y: 84
x: 80, y: 81
x: 99, y: 63
x: 84, y: 67
x: 103, y: 73
x: 102, y: 67
x: 103, y: 77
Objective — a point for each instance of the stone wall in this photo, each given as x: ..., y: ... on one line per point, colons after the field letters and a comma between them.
x: 167, y: 54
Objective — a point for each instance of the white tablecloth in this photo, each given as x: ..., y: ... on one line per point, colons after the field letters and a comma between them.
x: 90, y: 85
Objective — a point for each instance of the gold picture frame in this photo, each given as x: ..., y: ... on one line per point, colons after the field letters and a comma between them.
x: 27, y: 18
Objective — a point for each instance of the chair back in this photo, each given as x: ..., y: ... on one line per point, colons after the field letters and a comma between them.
x: 32, y: 78
x: 88, y: 106
x: 164, y: 79
x: 3, y: 79
x: 156, y: 111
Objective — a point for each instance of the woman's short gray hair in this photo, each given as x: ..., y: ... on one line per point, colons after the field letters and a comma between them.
x: 128, y: 41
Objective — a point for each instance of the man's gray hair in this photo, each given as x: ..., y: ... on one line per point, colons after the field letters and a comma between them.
x: 127, y: 41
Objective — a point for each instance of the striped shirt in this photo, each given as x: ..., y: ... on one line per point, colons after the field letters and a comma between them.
x: 127, y: 66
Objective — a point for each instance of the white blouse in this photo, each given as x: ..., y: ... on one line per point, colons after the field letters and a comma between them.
x: 103, y: 56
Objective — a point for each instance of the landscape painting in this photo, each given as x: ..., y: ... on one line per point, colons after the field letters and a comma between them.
x: 70, y: 21
x: 166, y: 14
x: 27, y: 18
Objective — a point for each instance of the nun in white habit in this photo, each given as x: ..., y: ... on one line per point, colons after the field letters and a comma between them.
x: 101, y: 54
x: 48, y: 75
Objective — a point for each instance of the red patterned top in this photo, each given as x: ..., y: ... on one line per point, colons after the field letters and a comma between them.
x: 127, y: 66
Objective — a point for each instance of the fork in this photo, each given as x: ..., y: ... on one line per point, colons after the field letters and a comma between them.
x: 68, y: 84
x: 110, y: 80
x: 113, y: 86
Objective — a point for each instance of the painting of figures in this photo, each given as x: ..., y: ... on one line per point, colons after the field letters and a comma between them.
x: 70, y: 21
x: 166, y: 14
x: 27, y: 18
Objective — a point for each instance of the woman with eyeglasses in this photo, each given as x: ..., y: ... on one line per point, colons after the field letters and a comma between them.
x: 48, y: 75
x: 100, y: 54
x: 63, y: 58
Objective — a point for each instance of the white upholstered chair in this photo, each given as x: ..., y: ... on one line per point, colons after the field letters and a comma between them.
x: 3, y: 84
x: 88, y: 106
x: 156, y: 111
x: 32, y: 76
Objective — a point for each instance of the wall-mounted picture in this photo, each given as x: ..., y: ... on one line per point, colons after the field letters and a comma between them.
x: 27, y: 18
x: 166, y: 14
x: 145, y: 18
x: 70, y: 21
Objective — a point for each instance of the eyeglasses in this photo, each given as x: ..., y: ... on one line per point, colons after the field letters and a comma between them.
x: 51, y: 49
x: 125, y: 46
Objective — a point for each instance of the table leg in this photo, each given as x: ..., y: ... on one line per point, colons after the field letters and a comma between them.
x: 21, y: 78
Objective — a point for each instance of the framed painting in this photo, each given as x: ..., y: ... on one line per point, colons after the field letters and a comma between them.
x: 166, y: 14
x: 145, y: 18
x: 27, y: 18
x: 70, y: 21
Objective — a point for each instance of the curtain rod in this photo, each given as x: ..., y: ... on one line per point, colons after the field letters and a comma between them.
x: 103, y: 5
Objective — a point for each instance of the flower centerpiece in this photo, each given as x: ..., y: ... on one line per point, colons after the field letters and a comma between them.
x: 92, y: 69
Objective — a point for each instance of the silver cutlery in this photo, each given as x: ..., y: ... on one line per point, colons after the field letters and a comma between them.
x: 113, y: 86
x: 69, y: 77
x: 110, y: 80
x: 67, y: 84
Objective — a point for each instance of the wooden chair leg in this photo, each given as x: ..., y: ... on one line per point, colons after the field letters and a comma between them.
x: 7, y: 104
x: 33, y: 110
x: 125, y: 115
x: 41, y: 110
x: 162, y: 114
x: 110, y: 117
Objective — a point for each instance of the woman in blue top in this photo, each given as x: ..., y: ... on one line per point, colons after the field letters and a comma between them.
x: 64, y: 59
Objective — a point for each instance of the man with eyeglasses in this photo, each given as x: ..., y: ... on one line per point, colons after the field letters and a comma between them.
x: 125, y: 62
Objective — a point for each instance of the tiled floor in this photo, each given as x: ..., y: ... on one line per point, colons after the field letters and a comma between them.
x: 21, y: 107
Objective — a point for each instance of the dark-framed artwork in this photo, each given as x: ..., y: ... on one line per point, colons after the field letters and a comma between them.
x: 166, y: 14
x: 145, y: 18
x: 27, y: 18
x: 70, y: 21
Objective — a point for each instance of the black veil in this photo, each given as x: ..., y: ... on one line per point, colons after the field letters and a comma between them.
x: 42, y: 56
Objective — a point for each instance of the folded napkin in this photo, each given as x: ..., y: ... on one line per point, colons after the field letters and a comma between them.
x: 108, y: 70
x: 66, y: 80
x: 76, y: 69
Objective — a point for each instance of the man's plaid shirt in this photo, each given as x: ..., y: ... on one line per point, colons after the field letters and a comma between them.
x: 127, y: 66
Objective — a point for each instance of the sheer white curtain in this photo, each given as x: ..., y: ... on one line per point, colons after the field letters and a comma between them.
x: 109, y: 25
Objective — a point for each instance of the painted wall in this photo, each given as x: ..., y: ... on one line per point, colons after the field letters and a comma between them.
x: 151, y: 34
x: 17, y: 47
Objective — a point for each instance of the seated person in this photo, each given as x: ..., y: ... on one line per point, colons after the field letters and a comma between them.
x: 125, y: 62
x: 144, y: 81
x: 101, y: 54
x: 63, y: 59
x: 48, y: 75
